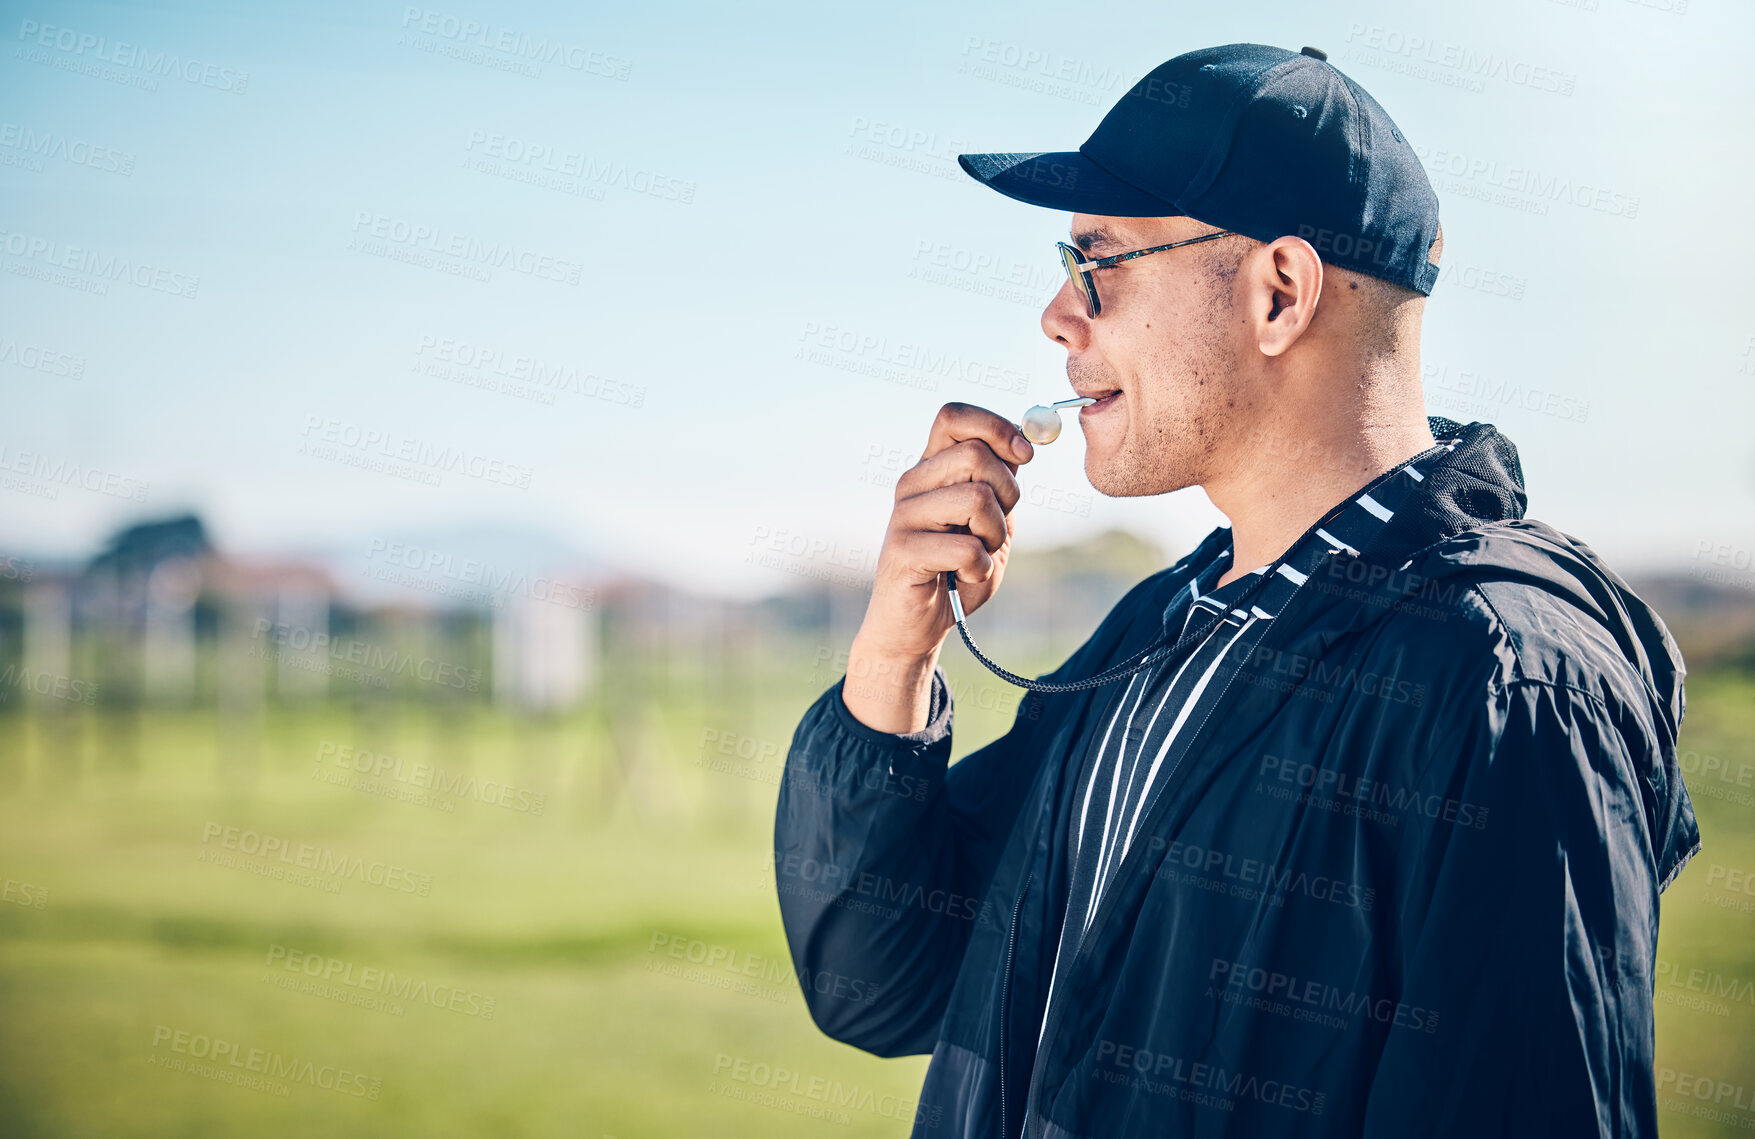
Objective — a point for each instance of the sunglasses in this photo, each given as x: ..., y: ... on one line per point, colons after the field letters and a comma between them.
x: 1078, y: 271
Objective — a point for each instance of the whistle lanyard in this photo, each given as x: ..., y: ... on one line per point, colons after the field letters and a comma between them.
x: 1152, y: 654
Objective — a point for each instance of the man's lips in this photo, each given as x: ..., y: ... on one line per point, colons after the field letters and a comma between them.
x: 1105, y: 400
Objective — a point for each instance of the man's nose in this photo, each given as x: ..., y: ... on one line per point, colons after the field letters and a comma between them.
x: 1065, y: 321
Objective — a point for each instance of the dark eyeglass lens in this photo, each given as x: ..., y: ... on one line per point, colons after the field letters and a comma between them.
x: 1070, y: 258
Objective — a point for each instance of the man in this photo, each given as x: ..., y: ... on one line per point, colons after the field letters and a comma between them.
x: 1377, y: 849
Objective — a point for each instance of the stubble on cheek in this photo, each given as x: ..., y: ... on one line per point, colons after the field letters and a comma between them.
x: 1183, y: 423
x: 1209, y: 399
x: 1217, y: 398
x: 1181, y: 403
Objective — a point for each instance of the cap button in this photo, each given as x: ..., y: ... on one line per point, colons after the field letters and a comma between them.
x: 1313, y: 52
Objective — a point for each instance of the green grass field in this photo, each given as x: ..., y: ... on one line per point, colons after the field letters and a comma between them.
x: 612, y: 966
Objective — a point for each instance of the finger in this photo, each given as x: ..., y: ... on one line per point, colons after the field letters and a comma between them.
x: 926, y: 553
x: 959, y: 421
x: 969, y: 461
x: 970, y: 504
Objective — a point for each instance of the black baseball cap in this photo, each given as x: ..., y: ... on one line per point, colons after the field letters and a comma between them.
x: 1258, y: 140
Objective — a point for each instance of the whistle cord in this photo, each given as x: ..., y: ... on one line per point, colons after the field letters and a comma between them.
x: 1151, y: 655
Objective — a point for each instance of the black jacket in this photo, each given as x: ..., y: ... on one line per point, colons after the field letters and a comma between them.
x: 1405, y: 882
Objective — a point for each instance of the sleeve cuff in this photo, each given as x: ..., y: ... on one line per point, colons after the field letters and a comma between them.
x: 938, y: 718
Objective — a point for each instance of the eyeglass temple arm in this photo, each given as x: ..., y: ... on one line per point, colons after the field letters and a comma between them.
x: 1102, y: 262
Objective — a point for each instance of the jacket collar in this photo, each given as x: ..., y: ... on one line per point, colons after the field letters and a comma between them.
x: 1478, y: 481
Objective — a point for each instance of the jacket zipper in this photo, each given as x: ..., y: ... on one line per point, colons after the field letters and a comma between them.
x: 1005, y: 999
x: 1113, y: 890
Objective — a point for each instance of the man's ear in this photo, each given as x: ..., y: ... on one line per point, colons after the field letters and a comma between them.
x: 1284, y: 285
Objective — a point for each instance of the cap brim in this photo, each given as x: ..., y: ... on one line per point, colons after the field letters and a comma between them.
x: 1064, y: 180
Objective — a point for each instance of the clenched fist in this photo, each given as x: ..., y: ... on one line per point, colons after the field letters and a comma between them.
x: 952, y: 513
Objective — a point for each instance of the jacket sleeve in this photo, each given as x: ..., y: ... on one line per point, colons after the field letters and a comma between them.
x: 884, y: 850
x: 1527, y: 930
x: 882, y: 858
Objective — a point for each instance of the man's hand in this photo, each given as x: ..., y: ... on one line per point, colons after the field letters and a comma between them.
x: 952, y: 512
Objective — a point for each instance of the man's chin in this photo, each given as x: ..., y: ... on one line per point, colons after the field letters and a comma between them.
x: 1113, y: 477
x: 1106, y: 479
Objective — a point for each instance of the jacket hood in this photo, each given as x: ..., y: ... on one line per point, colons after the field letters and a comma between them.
x: 1469, y: 520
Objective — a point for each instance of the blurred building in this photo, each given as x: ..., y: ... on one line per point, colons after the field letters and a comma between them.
x: 544, y: 654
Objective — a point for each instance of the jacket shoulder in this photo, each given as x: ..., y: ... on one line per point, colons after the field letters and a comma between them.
x: 1530, y: 604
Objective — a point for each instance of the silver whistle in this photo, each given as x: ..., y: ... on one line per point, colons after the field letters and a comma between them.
x: 1042, y: 424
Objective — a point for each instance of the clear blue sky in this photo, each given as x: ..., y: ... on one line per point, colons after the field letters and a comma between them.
x: 730, y: 184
